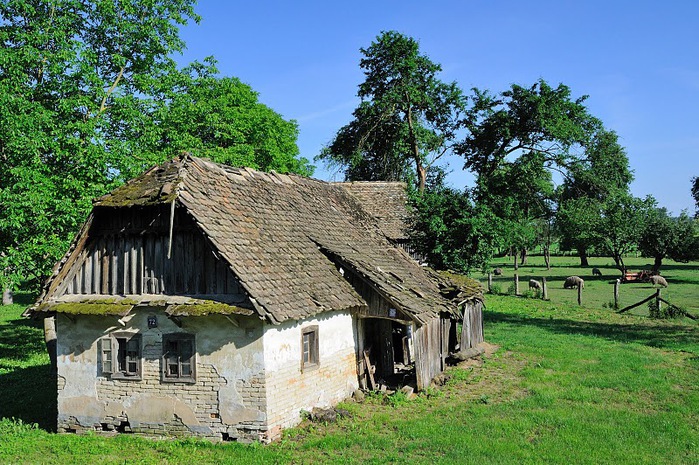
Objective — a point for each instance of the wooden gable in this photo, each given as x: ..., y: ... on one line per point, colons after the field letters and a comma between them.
x: 130, y: 251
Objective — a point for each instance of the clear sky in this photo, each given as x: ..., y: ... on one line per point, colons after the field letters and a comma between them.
x: 637, y: 60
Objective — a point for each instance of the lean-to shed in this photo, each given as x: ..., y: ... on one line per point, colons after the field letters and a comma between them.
x: 200, y: 299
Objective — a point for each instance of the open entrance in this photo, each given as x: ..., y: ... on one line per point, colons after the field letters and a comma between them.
x: 386, y: 354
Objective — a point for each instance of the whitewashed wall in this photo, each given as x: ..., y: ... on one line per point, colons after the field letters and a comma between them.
x: 291, y: 389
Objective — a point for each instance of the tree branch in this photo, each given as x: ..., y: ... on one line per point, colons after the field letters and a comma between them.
x: 103, y: 105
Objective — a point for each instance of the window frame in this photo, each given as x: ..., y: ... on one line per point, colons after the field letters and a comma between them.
x: 310, y: 357
x: 115, y: 360
x: 166, y: 359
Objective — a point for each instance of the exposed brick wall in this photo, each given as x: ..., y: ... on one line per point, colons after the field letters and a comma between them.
x: 291, y: 389
x: 150, y: 406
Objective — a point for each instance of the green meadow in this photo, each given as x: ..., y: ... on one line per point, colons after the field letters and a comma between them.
x: 559, y: 383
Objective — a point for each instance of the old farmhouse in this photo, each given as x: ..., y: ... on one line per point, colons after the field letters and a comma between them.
x: 200, y: 299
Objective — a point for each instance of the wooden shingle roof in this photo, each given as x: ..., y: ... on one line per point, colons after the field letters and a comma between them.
x: 386, y: 201
x: 287, y: 237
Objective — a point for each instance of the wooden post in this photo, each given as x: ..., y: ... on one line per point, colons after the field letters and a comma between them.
x: 544, y: 289
x: 616, y: 294
x: 516, y: 284
x: 490, y: 282
x: 50, y: 340
x: 579, y: 294
x: 658, y: 302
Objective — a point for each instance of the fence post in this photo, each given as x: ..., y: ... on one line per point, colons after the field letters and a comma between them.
x: 544, y: 290
x: 658, y: 302
x: 616, y: 294
x: 490, y: 282
x: 516, y: 284
x: 579, y: 294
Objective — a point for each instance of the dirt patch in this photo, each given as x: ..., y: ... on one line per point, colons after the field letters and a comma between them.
x: 493, y: 377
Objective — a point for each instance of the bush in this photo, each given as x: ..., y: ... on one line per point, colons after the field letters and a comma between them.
x: 665, y: 312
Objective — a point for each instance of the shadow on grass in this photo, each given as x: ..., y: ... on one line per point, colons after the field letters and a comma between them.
x: 20, y: 339
x: 677, y: 337
x: 29, y: 394
x: 27, y: 389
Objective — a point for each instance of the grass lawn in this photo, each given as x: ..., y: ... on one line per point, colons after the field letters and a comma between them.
x: 566, y: 384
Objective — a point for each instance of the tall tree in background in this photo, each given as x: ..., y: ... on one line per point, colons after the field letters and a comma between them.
x: 590, y: 181
x: 407, y: 116
x: 621, y: 224
x: 514, y: 141
x: 665, y: 236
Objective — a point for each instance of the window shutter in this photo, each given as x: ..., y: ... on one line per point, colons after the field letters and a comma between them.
x: 106, y: 351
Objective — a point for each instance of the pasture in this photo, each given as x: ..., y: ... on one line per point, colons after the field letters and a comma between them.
x: 561, y: 383
x: 683, y: 279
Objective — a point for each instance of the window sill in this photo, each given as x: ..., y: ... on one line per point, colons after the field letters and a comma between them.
x: 122, y: 377
x: 178, y: 380
x: 309, y: 367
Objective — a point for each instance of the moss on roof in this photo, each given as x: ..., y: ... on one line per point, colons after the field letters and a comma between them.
x: 86, y: 308
x: 204, y: 308
x: 156, y: 186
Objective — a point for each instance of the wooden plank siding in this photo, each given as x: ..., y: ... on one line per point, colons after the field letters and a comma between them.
x: 428, y: 359
x: 472, y: 328
x: 127, y: 254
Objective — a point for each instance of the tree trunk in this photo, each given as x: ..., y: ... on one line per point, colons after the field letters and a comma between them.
x: 583, y: 256
x: 547, y: 257
x: 515, y: 258
x: 619, y: 261
x: 523, y: 256
x: 50, y: 339
x: 7, y: 298
x: 419, y: 168
x: 657, y: 263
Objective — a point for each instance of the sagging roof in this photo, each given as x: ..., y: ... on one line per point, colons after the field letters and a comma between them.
x: 386, y: 201
x: 287, y: 239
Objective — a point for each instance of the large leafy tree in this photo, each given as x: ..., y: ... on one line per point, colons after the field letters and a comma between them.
x: 407, y: 116
x: 514, y: 142
x: 72, y: 75
x: 665, y: 236
x: 540, y: 120
x: 591, y: 179
x: 222, y: 119
x: 623, y: 220
x: 89, y: 97
x: 449, y: 230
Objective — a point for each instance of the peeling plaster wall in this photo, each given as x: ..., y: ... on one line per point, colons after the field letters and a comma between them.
x: 228, y: 396
x: 289, y: 389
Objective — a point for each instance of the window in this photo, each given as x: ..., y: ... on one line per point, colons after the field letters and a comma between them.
x: 309, y: 347
x: 178, y: 358
x: 121, y: 355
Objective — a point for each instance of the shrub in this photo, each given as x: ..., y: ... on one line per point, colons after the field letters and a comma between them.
x: 665, y: 312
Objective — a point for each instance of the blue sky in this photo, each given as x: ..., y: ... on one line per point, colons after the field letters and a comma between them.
x: 637, y: 60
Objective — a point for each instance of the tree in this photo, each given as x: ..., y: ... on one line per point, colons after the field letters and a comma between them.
x: 535, y: 120
x: 603, y: 171
x: 520, y: 194
x: 72, y: 76
x: 222, y: 119
x: 449, y: 230
x: 514, y: 142
x: 665, y: 236
x: 695, y: 193
x: 407, y: 116
x: 622, y: 222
